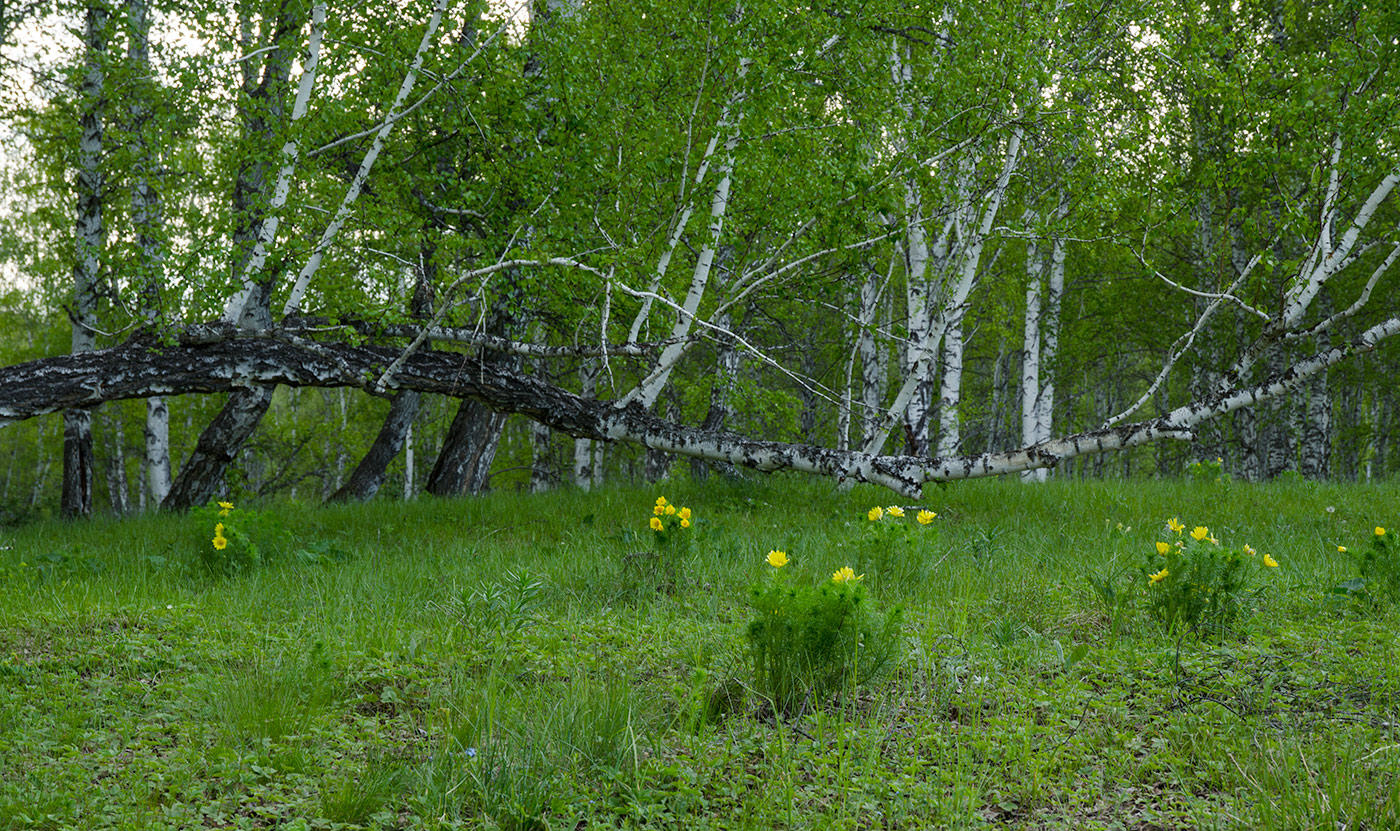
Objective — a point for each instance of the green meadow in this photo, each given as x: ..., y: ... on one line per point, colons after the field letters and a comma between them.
x: 540, y: 662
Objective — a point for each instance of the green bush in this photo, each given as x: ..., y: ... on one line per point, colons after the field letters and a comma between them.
x: 808, y: 641
x: 1193, y: 583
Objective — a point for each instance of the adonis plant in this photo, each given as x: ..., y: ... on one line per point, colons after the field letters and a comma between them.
x: 1379, y: 567
x: 808, y: 641
x: 224, y: 548
x: 1193, y: 582
x: 670, y: 525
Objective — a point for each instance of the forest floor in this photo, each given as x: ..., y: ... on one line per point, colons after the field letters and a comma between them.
x: 533, y: 662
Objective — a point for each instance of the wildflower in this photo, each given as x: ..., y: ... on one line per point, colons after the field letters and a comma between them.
x: 895, y: 511
x: 1250, y: 551
x: 1212, y: 540
x: 1175, y: 525
x: 661, y: 500
x: 1380, y: 532
x: 220, y: 543
x: 224, y: 508
x: 1199, y: 533
x: 656, y: 524
x: 685, y: 513
x: 1270, y: 561
x: 670, y: 509
x: 218, y: 529
x: 875, y: 513
x: 925, y: 517
x: 659, y: 510
x: 1341, y: 549
x: 777, y: 559
x: 846, y: 575
x: 1159, y: 576
x: 685, y: 523
x: 1163, y: 548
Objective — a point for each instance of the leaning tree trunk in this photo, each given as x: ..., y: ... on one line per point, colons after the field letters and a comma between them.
x: 369, y: 474
x: 260, y: 108
x: 463, y: 465
x: 90, y: 237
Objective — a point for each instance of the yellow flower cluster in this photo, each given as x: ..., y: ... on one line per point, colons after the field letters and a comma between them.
x: 220, y: 541
x: 877, y: 513
x: 1202, y: 534
x: 846, y: 574
x: 224, y: 508
x: 664, y: 508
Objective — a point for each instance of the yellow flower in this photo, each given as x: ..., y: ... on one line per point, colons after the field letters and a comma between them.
x: 1270, y: 561
x: 685, y: 523
x: 777, y: 559
x: 1341, y: 549
x: 1250, y: 551
x: 656, y: 524
x: 220, y: 543
x: 925, y: 517
x: 670, y: 509
x: 1200, y: 532
x: 1159, y: 576
x: 659, y: 510
x: 1380, y: 532
x: 1163, y: 548
x: 1175, y: 525
x: 218, y: 529
x: 846, y: 575
x: 875, y: 513
x: 685, y: 513
x: 224, y: 508
x: 661, y: 500
x: 895, y: 511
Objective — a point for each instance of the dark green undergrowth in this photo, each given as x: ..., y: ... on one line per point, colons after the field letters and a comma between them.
x: 532, y: 662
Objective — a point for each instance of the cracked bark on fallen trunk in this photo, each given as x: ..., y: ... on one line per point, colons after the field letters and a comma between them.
x: 211, y: 358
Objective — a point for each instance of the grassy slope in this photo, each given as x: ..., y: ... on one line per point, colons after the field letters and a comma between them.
x: 138, y: 692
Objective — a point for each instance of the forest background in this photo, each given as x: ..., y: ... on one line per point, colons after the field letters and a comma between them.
x: 576, y: 243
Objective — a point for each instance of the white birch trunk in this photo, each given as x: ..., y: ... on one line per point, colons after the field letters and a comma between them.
x: 969, y: 258
x: 647, y: 391
x: 147, y: 218
x: 90, y: 238
x: 408, y: 471
x: 352, y: 193
x: 950, y: 391
x: 237, y: 310
x: 874, y: 370
x: 541, y: 458
x: 583, y: 448
x: 1030, y: 355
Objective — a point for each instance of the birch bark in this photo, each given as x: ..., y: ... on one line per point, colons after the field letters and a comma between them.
x: 89, y: 240
x: 147, y: 219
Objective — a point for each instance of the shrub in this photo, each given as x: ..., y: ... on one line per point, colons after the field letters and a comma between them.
x: 808, y: 641
x: 1195, y: 583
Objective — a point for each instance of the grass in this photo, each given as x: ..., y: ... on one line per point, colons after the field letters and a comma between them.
x: 524, y: 662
